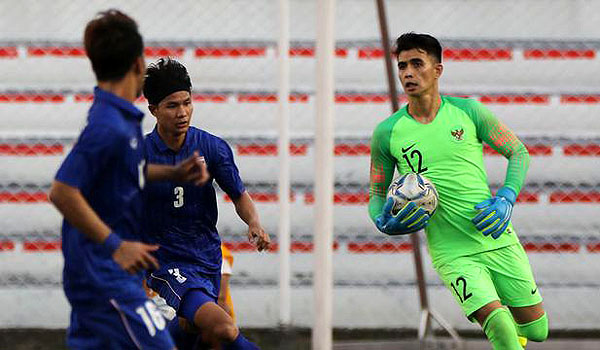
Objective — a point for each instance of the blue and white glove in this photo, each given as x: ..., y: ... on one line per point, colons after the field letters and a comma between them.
x: 409, y: 219
x: 494, y: 213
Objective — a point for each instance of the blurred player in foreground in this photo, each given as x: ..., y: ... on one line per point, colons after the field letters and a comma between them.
x: 472, y: 243
x: 182, y: 219
x: 98, y: 190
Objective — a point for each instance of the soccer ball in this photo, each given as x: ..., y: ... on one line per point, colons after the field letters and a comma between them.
x: 415, y: 188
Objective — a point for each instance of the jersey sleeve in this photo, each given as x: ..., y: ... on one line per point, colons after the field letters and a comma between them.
x: 225, y: 171
x: 504, y: 141
x: 94, y: 149
x: 382, y: 168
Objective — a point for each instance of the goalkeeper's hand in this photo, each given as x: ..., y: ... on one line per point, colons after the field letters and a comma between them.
x: 408, y: 219
x: 494, y: 213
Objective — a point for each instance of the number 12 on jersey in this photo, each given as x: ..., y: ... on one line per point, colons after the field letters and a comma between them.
x: 416, y: 157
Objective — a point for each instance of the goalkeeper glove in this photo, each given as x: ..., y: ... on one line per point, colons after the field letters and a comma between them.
x: 494, y: 213
x: 408, y: 219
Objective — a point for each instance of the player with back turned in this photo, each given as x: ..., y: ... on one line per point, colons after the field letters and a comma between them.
x: 98, y: 190
x: 473, y: 245
x: 182, y: 219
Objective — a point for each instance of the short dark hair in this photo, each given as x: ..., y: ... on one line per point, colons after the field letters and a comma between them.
x: 112, y: 43
x: 165, y: 77
x: 425, y: 42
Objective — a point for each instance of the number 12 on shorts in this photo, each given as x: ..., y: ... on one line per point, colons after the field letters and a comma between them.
x: 460, y: 289
x: 152, y: 318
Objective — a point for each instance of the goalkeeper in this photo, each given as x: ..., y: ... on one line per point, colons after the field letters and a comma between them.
x: 473, y: 245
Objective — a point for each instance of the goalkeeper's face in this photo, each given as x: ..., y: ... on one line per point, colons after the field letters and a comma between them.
x: 418, y: 71
x: 174, y: 113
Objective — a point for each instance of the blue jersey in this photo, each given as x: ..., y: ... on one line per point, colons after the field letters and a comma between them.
x: 182, y: 218
x: 106, y: 164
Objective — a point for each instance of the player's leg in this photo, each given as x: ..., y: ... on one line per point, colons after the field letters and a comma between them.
x: 531, y: 322
x: 215, y: 324
x: 188, y: 291
x: 498, y: 326
x: 184, y: 337
x: 472, y: 286
x: 517, y: 288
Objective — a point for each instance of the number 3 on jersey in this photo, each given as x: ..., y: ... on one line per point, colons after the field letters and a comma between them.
x: 178, y: 202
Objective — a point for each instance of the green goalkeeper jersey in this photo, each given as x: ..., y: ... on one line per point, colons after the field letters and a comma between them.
x: 449, y: 152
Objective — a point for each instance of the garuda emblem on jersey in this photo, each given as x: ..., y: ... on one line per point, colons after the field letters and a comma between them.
x: 458, y: 134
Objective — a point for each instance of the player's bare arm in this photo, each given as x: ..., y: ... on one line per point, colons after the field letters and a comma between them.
x: 131, y: 256
x: 193, y: 169
x: 244, y: 206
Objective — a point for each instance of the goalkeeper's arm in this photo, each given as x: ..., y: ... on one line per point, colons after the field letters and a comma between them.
x: 493, y: 132
x: 495, y: 213
x: 382, y: 170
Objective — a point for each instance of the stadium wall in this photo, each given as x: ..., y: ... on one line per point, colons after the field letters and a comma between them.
x: 534, y: 63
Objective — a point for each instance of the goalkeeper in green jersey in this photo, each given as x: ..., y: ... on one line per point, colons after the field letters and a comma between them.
x: 473, y: 245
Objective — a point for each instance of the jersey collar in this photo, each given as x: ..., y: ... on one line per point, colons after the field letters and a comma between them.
x: 442, y: 104
x: 127, y: 107
x: 162, y: 146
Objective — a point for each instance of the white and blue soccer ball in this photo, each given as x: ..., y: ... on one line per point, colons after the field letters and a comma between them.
x: 415, y: 188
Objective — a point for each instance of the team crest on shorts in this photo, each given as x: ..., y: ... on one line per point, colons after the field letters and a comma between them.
x: 457, y: 133
x: 177, y: 275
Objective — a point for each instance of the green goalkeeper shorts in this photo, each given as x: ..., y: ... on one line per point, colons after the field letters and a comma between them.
x: 503, y: 274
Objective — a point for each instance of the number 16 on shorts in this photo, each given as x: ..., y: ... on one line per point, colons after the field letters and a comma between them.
x: 152, y: 317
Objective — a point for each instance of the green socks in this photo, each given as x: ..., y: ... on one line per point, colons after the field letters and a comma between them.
x: 500, y: 330
x: 535, y: 330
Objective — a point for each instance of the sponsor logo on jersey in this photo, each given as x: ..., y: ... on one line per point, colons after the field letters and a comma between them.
x: 404, y: 150
x: 133, y: 143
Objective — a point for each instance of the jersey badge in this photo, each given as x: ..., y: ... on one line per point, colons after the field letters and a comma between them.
x: 457, y: 133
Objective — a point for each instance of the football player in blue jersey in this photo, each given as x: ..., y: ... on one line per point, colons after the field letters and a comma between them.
x: 98, y: 191
x: 182, y: 219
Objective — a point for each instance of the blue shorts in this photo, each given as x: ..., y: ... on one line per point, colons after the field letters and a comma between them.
x: 172, y: 282
x: 116, y: 324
